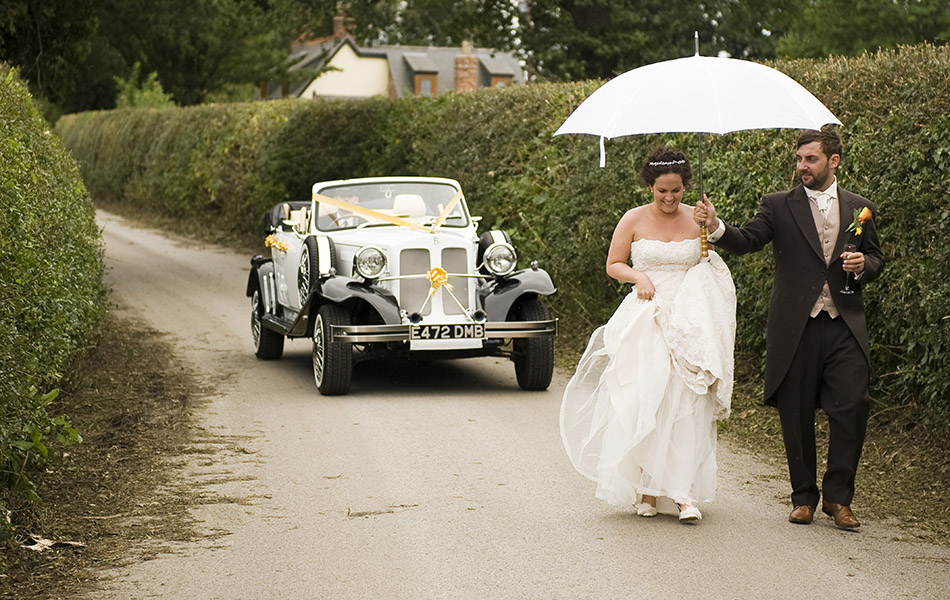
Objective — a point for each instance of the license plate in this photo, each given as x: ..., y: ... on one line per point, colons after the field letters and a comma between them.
x: 467, y: 331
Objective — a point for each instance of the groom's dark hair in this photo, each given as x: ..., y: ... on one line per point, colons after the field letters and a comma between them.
x: 827, y: 137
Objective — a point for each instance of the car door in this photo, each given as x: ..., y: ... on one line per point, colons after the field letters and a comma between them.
x: 286, y: 256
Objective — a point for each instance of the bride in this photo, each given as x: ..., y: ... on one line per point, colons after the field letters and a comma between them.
x: 639, y: 415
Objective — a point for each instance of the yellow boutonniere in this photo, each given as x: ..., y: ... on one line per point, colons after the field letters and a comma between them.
x: 272, y: 241
x: 861, y: 216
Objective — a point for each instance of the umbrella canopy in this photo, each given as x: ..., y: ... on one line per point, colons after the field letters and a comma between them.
x: 698, y: 94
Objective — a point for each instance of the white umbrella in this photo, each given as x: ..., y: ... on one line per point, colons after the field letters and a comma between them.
x: 698, y: 94
x: 730, y: 95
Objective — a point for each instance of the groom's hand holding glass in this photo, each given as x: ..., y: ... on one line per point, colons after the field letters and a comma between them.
x: 853, y: 261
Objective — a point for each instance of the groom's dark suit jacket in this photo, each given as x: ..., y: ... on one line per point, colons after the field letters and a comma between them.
x: 786, y: 220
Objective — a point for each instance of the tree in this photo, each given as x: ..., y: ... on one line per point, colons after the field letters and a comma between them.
x: 201, y: 49
x: 135, y: 91
x: 586, y: 39
x: 486, y: 23
x: 752, y: 29
x: 849, y: 28
x: 578, y: 39
x: 46, y: 40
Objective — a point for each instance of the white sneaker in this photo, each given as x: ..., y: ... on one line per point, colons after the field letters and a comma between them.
x: 645, y: 510
x: 690, y: 513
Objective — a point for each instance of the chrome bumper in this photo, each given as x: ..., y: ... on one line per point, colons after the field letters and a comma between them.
x: 399, y: 333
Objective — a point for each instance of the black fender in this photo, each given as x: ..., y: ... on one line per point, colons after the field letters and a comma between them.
x: 261, y: 267
x: 342, y: 289
x: 499, y: 296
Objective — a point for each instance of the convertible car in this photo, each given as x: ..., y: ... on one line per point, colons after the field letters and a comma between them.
x: 394, y: 267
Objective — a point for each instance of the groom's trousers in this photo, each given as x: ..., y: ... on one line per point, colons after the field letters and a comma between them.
x: 829, y: 372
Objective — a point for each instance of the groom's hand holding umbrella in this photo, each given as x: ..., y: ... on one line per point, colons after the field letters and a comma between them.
x: 705, y: 213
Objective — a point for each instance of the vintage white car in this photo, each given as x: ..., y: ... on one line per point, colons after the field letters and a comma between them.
x: 394, y: 267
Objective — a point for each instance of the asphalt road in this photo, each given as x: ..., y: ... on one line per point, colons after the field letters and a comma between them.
x: 443, y: 481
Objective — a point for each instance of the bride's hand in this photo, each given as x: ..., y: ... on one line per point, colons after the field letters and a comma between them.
x: 645, y: 289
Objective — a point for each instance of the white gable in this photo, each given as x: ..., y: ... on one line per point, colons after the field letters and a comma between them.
x: 357, y: 77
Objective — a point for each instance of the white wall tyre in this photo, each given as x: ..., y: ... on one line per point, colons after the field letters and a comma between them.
x: 268, y: 344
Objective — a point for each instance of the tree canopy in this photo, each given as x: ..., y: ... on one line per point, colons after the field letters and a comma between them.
x: 214, y: 50
x: 849, y: 28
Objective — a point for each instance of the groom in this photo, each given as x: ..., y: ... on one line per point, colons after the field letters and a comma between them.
x: 817, y: 351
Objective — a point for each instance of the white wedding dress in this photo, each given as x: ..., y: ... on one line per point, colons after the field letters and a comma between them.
x: 639, y: 415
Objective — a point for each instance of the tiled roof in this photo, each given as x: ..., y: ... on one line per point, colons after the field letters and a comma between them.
x: 404, y: 62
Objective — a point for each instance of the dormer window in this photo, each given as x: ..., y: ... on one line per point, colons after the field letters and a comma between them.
x: 425, y: 73
x: 500, y: 81
x: 426, y: 85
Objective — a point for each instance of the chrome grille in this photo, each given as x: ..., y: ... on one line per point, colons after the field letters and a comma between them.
x: 454, y: 261
x: 413, y: 292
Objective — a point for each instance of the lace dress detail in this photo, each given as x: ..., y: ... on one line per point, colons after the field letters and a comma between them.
x: 639, y: 415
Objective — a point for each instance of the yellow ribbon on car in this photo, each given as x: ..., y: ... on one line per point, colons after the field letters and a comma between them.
x: 445, y: 211
x: 372, y: 214
x: 367, y: 212
x: 438, y: 277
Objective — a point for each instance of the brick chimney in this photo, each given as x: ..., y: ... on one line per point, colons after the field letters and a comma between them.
x: 340, y: 29
x: 466, y: 69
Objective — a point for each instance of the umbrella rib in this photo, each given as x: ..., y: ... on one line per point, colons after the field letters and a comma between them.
x: 715, y: 98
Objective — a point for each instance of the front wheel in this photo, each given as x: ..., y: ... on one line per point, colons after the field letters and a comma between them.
x: 332, y: 361
x: 268, y: 344
x: 533, y: 357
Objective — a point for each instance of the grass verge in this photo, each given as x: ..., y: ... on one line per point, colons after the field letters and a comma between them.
x: 115, y: 491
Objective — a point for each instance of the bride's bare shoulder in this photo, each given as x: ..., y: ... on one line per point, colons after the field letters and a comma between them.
x: 634, y: 214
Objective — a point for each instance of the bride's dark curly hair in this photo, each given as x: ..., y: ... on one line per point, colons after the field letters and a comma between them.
x: 662, y: 161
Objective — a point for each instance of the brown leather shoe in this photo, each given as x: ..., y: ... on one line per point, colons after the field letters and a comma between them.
x: 844, y: 518
x: 802, y: 515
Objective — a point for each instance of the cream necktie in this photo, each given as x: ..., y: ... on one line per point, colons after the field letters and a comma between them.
x: 823, y: 199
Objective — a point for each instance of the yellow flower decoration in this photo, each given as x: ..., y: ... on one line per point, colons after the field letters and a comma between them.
x: 861, y: 217
x: 272, y: 242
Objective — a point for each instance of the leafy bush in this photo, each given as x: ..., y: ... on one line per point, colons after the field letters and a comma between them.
x: 560, y: 208
x: 138, y: 92
x: 51, y: 292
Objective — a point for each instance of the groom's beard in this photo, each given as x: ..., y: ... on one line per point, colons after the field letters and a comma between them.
x: 816, y: 180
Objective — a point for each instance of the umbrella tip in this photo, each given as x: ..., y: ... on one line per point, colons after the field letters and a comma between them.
x: 696, y: 40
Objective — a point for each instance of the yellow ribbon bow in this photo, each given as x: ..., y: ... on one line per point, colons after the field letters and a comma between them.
x: 272, y: 242
x: 438, y: 277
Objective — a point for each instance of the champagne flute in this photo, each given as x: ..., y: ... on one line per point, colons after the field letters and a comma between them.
x: 849, y: 277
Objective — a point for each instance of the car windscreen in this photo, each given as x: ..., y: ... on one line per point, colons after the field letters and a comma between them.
x: 417, y: 202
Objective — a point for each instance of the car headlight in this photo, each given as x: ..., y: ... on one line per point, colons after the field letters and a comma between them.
x: 500, y: 258
x: 369, y: 262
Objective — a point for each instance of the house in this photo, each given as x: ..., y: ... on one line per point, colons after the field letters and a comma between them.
x: 392, y: 71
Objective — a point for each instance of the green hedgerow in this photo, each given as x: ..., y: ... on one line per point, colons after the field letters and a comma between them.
x: 51, y: 292
x: 559, y: 207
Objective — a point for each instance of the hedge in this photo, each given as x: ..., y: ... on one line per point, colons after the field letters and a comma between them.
x: 223, y: 166
x: 51, y: 292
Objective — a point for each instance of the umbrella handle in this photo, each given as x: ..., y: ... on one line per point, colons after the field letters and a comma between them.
x: 703, y: 244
